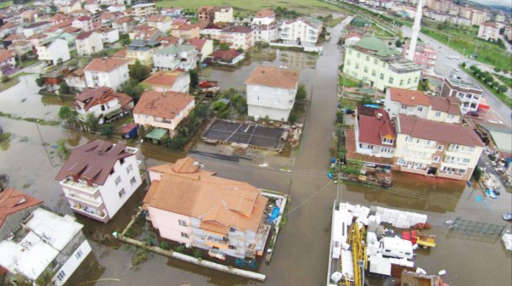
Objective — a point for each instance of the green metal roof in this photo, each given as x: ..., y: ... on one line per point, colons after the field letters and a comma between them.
x: 157, y: 134
x: 501, y: 135
x: 377, y: 45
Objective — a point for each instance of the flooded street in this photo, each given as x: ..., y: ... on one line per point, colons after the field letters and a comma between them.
x: 301, y: 253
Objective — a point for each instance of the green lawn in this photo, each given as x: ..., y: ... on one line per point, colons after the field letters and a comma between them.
x: 5, y: 4
x: 303, y: 6
x: 347, y: 81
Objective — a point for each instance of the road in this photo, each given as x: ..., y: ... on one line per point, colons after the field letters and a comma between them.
x: 448, y: 61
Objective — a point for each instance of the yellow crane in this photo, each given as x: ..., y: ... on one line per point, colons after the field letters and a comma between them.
x: 359, y: 257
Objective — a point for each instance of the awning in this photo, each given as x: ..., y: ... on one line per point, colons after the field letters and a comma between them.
x: 157, y: 134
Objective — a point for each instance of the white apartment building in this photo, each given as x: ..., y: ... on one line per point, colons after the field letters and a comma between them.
x: 45, y: 243
x: 99, y: 177
x: 489, y: 31
x: 143, y: 10
x: 264, y: 28
x: 103, y: 103
x: 83, y: 22
x: 238, y: 37
x: 414, y: 102
x: 109, y: 35
x: 448, y: 150
x: 163, y: 110
x: 53, y: 51
x: 88, y: 43
x: 469, y: 95
x: 223, y: 15
x: 380, y: 66
x: 109, y: 72
x: 173, y: 57
x: 271, y: 92
x: 301, y: 31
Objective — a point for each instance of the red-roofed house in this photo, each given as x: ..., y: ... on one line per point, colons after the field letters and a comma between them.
x: 163, y: 109
x: 428, y: 147
x: 227, y: 57
x: 374, y: 133
x: 88, y: 43
x: 103, y: 103
x: 203, y: 46
x: 161, y: 81
x: 109, y: 72
x: 7, y: 60
x: 186, y: 31
x: 83, y: 22
x: 14, y: 207
x: 99, y: 177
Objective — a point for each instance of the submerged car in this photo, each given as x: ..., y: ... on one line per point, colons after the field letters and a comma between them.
x: 507, y: 216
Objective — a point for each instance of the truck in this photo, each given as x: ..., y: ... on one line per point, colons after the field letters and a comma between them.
x: 396, y: 247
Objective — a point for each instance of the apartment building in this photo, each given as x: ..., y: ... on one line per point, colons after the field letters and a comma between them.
x: 374, y: 132
x: 301, y: 31
x: 143, y: 10
x: 379, y: 65
x: 223, y: 15
x: 469, y: 95
x: 414, y: 102
x: 271, y: 92
x: 238, y: 37
x: 53, y: 51
x: 88, y: 43
x: 173, y: 57
x: 162, y: 81
x: 427, y: 147
x: 193, y: 207
x: 425, y: 56
x: 99, y: 177
x: 489, y: 31
x: 83, y: 23
x: 103, y: 103
x: 109, y: 72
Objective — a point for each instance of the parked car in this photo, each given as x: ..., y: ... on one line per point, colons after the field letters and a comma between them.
x: 349, y: 111
x: 507, y: 216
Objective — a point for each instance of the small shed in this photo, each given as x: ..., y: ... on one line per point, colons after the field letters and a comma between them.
x: 129, y: 131
x: 157, y: 135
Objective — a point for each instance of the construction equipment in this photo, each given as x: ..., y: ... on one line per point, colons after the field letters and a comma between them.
x: 360, y: 260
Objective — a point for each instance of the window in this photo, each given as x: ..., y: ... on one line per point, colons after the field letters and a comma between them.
x: 133, y: 181
x: 440, y: 147
x: 358, y: 55
x: 436, y: 159
x: 231, y: 246
x: 61, y: 275
x: 118, y: 180
x: 404, y: 106
x: 375, y: 61
x: 182, y: 222
x: 381, y: 76
x: 78, y: 254
x: 438, y: 113
x: 401, y: 82
x: 409, y: 81
x: 184, y: 235
x: 391, y: 80
x: 129, y: 169
x: 466, y: 160
x: 366, y: 69
x: 121, y: 161
x: 374, y: 72
x: 420, y: 108
x: 121, y: 193
x: 367, y: 58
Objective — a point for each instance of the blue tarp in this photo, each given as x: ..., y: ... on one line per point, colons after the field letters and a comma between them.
x: 274, y: 215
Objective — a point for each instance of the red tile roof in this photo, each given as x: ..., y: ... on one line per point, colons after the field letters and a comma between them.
x: 163, y: 78
x: 265, y: 13
x: 449, y: 104
x: 93, y: 161
x: 94, y: 96
x: 274, y: 77
x: 105, y: 64
x: 13, y: 201
x: 5, y: 55
x: 372, y: 129
x: 237, y: 29
x: 162, y: 104
x: 84, y: 18
x: 198, y: 43
x: 83, y: 35
x: 409, y: 97
x: 225, y: 55
x: 447, y: 133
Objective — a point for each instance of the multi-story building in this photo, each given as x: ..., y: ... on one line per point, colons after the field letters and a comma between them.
x: 76, y: 79
x: 204, y: 47
x: 162, y: 81
x: 271, y: 92
x: 142, y: 50
x: 164, y: 110
x: 223, y: 15
x: 7, y: 61
x: 205, y: 15
x: 143, y: 10
x: 109, y: 35
x: 193, y: 207
x: 53, y: 50
x: 264, y: 28
x: 109, y: 72
x: 374, y: 132
x: 88, y: 43
x: 186, y: 31
x: 161, y: 22
x: 448, y: 150
x: 425, y: 56
x: 176, y: 57
x: 83, y: 23
x: 36, y: 243
x: 238, y: 37
x: 302, y: 31
x: 413, y: 102
x: 478, y: 17
x: 103, y: 103
x: 99, y: 177
x: 264, y: 17
x: 469, y: 95
x: 375, y: 63
x: 488, y: 31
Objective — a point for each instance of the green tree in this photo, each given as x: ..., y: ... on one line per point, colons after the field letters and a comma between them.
x: 224, y: 46
x: 398, y: 43
x: 92, y: 122
x: 423, y: 85
x: 68, y: 115
x: 62, y: 149
x: 194, y: 79
x: 301, y: 92
x: 132, y: 88
x: 64, y: 88
x: 107, y: 130
x: 477, y: 174
x: 138, y: 71
x: 293, y: 117
x: 40, y: 81
x: 502, y: 89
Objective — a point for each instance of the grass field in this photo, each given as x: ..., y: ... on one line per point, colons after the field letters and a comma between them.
x: 302, y: 6
x: 5, y: 4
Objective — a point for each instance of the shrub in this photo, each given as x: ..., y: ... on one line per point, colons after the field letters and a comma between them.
x: 339, y: 117
x: 197, y: 253
x: 180, y: 248
x: 164, y: 245
x: 301, y: 92
x: 107, y: 130
x: 139, y: 257
x: 477, y: 174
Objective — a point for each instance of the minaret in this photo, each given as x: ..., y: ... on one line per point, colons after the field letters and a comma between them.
x: 415, y: 31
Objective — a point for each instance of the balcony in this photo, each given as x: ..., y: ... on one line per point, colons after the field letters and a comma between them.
x: 79, y: 186
x: 85, y: 199
x: 98, y: 214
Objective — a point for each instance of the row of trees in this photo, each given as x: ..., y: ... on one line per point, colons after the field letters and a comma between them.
x: 487, y: 78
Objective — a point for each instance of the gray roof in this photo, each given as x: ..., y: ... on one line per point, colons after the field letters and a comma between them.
x: 175, y: 49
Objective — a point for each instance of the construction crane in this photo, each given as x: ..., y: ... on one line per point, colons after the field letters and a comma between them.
x: 360, y: 260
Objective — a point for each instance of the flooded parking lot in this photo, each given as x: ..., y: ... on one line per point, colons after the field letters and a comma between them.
x: 301, y: 253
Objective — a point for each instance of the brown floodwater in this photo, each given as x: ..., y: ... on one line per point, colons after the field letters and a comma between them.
x: 301, y: 253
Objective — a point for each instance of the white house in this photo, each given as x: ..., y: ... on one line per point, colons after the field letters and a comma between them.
x: 161, y: 22
x: 271, y: 92
x: 238, y: 37
x: 264, y: 28
x: 88, y: 43
x: 203, y: 46
x: 53, y: 50
x: 109, y: 72
x: 301, y: 31
x: 489, y: 31
x: 162, y: 81
x: 469, y: 95
x: 173, y: 57
x: 223, y: 15
x: 76, y: 79
x: 103, y: 103
x: 264, y: 17
x: 109, y: 35
x: 47, y: 245
x: 83, y: 22
x: 374, y: 133
x: 164, y: 110
x: 414, y: 102
x: 99, y: 177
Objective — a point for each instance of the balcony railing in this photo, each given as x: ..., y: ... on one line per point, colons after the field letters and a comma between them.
x: 82, y: 187
x: 83, y: 198
x: 88, y: 211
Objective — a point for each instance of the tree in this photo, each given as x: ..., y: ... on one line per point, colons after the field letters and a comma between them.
x: 398, y: 43
x: 240, y: 103
x: 67, y: 114
x: 92, y: 122
x: 477, y: 174
x: 107, y: 130
x: 293, y: 117
x: 194, y: 79
x: 5, y: 79
x: 423, y: 85
x: 464, y: 64
x: 301, y: 92
x: 502, y: 89
x: 40, y: 81
x: 64, y: 88
x: 224, y: 46
x: 62, y: 150
x: 125, y: 39
x: 139, y: 72
x: 132, y: 88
